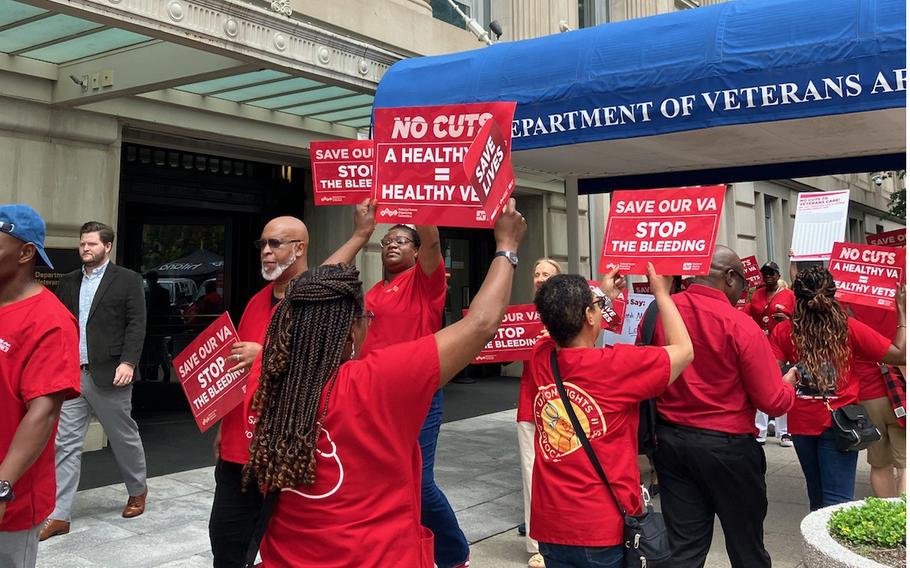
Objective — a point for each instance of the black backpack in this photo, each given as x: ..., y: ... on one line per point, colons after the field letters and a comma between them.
x: 647, y: 410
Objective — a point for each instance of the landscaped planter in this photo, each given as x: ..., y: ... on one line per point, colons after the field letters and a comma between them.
x: 821, y: 550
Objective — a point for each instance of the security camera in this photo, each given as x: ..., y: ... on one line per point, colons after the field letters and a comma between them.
x: 878, y: 178
x: 496, y: 28
x: 78, y: 81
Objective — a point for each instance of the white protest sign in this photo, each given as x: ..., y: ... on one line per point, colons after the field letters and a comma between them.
x: 821, y: 220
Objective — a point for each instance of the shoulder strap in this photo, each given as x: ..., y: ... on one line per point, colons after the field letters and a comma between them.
x: 585, y: 443
x: 265, y: 514
x: 649, y: 323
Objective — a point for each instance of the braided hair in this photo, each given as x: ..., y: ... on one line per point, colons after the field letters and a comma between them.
x: 305, y: 342
x: 820, y: 327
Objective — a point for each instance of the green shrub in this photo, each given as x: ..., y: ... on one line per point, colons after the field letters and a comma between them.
x: 876, y: 522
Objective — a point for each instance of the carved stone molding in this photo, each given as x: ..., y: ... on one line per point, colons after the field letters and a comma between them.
x: 242, y: 30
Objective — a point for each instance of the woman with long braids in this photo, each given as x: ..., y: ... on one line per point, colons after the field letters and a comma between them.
x: 337, y: 432
x: 826, y: 342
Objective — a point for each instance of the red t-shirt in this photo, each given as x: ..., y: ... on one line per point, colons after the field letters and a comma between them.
x: 39, y: 356
x: 762, y: 309
x: 364, y: 508
x: 809, y: 416
x: 237, y: 426
x: 408, y: 307
x: 871, y: 380
x: 569, y: 504
x: 525, y: 396
x: 733, y: 374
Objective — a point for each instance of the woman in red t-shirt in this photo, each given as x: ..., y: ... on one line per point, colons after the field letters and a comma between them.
x: 827, y: 343
x: 336, y: 435
x: 573, y: 516
x: 544, y: 268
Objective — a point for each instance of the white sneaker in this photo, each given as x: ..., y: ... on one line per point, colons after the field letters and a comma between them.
x: 536, y: 561
x: 786, y: 441
x: 761, y: 440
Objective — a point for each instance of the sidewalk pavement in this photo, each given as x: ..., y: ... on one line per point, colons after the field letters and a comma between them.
x: 477, y: 467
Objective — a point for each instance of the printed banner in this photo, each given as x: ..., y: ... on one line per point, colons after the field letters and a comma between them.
x: 821, y: 219
x: 867, y: 274
x: 752, y: 271
x: 675, y: 229
x: 342, y: 171
x: 896, y: 238
x: 488, y: 166
x: 515, y: 338
x: 420, y: 154
x: 202, y: 369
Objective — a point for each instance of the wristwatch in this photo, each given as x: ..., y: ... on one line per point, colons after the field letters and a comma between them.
x: 510, y: 256
x: 6, y: 491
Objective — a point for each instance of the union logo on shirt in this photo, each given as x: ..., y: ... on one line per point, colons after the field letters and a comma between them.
x: 556, y: 436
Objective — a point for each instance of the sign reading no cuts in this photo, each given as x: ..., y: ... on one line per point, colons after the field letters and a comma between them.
x: 867, y: 274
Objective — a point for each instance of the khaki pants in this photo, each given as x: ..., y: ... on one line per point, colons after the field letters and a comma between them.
x: 892, y: 448
x: 526, y: 454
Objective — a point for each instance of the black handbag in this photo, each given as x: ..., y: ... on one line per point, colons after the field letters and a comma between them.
x: 644, y: 536
x: 853, y: 430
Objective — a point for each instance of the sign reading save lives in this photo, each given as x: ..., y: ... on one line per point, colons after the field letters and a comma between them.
x: 675, y: 229
x: 867, y: 274
x: 202, y: 370
x: 342, y: 171
x: 488, y: 166
x: 420, y: 154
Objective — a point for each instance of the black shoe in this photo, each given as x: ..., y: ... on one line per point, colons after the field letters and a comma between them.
x: 522, y: 529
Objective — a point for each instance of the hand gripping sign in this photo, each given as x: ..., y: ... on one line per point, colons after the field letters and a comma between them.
x: 515, y: 338
x: 896, y: 238
x: 420, y: 155
x: 202, y: 369
x: 675, y: 229
x: 867, y: 274
x: 342, y: 171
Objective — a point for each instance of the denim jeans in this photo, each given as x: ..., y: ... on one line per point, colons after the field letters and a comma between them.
x: 830, y: 473
x: 450, y: 545
x: 568, y: 556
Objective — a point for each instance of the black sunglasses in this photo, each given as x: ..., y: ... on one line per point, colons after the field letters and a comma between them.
x: 273, y: 243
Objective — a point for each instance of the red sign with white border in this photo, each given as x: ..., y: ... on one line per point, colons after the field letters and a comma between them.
x: 420, y: 155
x: 675, y: 229
x: 896, y: 238
x: 202, y: 370
x: 752, y: 271
x: 342, y: 171
x: 867, y: 274
x: 515, y: 338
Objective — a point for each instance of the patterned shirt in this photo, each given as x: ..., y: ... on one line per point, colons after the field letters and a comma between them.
x: 86, y: 297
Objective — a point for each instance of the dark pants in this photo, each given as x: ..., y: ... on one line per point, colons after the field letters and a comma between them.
x: 701, y: 475
x: 830, y: 473
x: 450, y: 544
x: 234, y: 516
x: 567, y: 556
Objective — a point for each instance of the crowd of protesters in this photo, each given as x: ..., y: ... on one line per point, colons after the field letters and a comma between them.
x: 329, y: 460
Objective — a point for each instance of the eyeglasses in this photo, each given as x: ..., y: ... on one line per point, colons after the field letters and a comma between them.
x: 601, y: 304
x: 367, y: 315
x: 7, y: 227
x: 273, y: 243
x: 400, y: 241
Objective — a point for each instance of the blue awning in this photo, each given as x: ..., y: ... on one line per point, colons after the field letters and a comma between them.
x: 737, y: 63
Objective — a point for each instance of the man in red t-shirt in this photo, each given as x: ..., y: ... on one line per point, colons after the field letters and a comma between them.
x: 707, y: 459
x: 283, y: 256
x: 39, y: 369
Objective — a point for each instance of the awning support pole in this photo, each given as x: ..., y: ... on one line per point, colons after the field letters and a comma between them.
x: 572, y: 220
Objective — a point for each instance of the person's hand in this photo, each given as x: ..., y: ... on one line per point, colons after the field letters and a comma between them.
x: 543, y: 333
x: 510, y: 228
x: 365, y: 218
x: 791, y: 377
x: 790, y: 253
x: 613, y: 283
x: 901, y: 298
x: 216, y: 445
x: 660, y: 285
x: 243, y: 353
x: 123, y: 375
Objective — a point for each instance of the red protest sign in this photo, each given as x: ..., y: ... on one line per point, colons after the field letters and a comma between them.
x: 675, y: 229
x: 866, y: 274
x: 896, y: 238
x: 752, y: 271
x: 420, y: 154
x: 613, y: 312
x: 202, y: 369
x: 742, y: 301
x: 515, y: 338
x: 342, y: 171
x: 488, y: 167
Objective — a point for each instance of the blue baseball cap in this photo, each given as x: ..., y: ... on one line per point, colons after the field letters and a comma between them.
x: 24, y: 223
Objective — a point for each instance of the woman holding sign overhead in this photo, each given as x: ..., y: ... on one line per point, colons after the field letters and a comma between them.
x: 826, y: 344
x: 408, y: 304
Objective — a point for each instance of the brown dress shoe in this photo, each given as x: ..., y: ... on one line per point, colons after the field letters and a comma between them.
x: 53, y: 527
x: 135, y: 506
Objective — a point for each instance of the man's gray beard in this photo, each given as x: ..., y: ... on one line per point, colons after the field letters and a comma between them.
x: 278, y: 270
